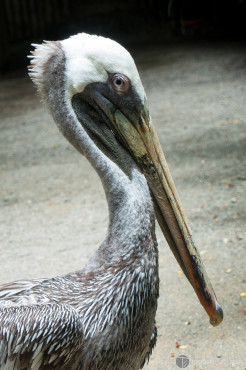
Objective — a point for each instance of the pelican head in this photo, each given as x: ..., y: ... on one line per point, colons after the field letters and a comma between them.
x: 93, y: 90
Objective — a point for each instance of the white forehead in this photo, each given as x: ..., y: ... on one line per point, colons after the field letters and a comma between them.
x: 89, y: 58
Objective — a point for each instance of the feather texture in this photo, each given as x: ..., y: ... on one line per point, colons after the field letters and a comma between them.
x: 103, y: 316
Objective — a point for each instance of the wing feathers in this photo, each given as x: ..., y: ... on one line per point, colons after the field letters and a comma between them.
x: 38, y: 335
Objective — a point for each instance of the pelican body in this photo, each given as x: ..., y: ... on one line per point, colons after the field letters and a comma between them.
x: 103, y: 316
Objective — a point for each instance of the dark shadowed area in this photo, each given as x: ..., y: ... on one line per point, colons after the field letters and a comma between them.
x: 53, y: 210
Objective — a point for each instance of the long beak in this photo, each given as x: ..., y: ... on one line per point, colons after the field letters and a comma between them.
x: 138, y: 135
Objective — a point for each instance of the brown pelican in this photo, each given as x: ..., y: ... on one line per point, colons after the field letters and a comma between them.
x: 103, y: 316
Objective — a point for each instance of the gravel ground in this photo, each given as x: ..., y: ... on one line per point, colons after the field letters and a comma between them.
x: 54, y: 214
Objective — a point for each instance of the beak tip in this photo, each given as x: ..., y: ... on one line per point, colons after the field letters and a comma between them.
x: 215, y: 321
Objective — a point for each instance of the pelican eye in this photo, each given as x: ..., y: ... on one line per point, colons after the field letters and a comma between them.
x: 120, y: 82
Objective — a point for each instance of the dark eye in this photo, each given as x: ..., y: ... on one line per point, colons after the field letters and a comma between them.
x: 120, y: 82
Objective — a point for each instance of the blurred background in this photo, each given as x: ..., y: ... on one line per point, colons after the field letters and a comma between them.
x: 130, y: 22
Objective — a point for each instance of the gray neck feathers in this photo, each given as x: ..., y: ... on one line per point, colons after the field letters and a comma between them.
x: 131, y: 215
